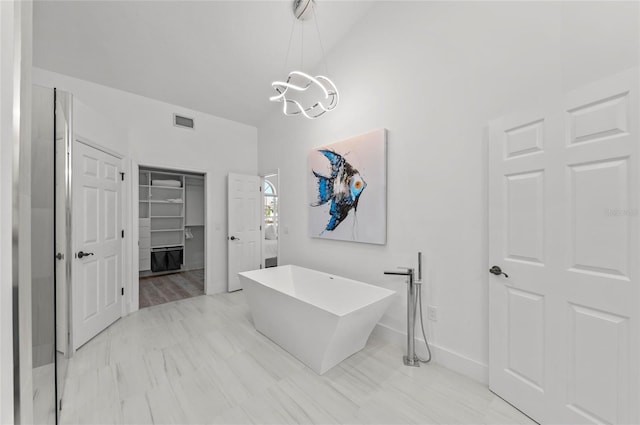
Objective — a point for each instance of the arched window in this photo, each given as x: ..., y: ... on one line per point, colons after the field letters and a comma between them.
x: 270, y: 203
x: 269, y: 190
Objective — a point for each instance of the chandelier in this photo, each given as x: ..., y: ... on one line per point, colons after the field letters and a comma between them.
x: 301, y: 93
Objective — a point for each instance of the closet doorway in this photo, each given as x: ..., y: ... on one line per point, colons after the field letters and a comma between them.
x: 171, y: 236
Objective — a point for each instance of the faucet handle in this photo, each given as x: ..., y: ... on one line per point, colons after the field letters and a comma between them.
x: 409, y: 269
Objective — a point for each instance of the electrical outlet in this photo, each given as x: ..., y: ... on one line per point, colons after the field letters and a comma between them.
x: 432, y: 313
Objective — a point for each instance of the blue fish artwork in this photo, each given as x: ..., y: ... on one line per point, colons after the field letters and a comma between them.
x: 343, y: 188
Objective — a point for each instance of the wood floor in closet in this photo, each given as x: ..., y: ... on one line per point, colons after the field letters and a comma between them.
x: 156, y: 290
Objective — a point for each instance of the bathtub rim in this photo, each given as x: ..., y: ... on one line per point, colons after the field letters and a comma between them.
x: 389, y: 292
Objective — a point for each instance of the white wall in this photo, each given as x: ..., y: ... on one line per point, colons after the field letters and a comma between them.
x: 141, y: 129
x: 433, y: 74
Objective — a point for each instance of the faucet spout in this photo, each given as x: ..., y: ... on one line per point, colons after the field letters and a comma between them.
x: 407, y: 273
x: 404, y: 271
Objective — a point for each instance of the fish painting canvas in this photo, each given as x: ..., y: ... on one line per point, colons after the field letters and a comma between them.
x: 347, y: 186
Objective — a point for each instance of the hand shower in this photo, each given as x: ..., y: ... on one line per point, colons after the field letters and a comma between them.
x: 411, y: 359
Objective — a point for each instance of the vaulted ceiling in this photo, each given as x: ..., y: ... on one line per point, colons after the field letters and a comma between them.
x: 218, y: 57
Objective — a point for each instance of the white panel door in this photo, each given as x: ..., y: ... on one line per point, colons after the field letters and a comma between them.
x: 97, y: 240
x: 244, y: 232
x: 521, y: 181
x: 564, y: 213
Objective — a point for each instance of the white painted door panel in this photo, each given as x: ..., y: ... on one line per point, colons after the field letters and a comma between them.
x: 600, y: 273
x: 244, y: 233
x: 97, y: 218
x: 520, y: 188
x: 564, y: 208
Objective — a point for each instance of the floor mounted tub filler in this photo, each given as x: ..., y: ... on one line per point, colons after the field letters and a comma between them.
x: 320, y: 319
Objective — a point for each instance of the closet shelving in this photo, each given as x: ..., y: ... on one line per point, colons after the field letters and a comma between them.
x: 161, y: 213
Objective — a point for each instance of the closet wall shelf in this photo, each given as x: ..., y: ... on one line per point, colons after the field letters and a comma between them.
x: 166, y: 202
x: 167, y: 246
x: 161, y: 187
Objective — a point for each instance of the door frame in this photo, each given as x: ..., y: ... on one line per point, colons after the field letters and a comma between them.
x: 126, y: 263
x: 133, y: 301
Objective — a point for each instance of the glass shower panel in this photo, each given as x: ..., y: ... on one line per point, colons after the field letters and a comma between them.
x: 50, y: 249
x: 63, y: 252
x: 42, y: 257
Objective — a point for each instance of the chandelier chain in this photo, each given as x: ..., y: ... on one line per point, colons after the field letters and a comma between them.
x: 286, y: 59
x: 324, y: 57
x: 301, y: 45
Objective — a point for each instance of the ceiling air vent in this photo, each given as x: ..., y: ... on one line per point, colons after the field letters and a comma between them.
x: 184, y: 122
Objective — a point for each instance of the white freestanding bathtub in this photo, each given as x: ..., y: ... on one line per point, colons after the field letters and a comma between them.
x: 319, y: 318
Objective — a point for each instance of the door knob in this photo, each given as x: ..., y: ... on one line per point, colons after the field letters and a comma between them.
x: 59, y: 256
x: 84, y: 254
x: 233, y: 238
x: 497, y: 271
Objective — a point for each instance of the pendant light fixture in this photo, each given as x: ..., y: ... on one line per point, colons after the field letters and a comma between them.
x: 301, y: 93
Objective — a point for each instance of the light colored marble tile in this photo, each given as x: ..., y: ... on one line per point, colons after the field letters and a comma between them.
x: 124, y: 346
x: 234, y: 416
x: 193, y: 353
x: 96, y: 411
x: 266, y: 409
x: 200, y: 398
x: 164, y: 406
x: 91, y: 356
x: 158, y: 369
x: 385, y: 411
x: 320, y: 402
x: 165, y: 313
x: 94, y: 384
x: 308, y: 385
x: 227, y: 382
x: 221, y: 345
x: 273, y: 359
x: 132, y: 377
x: 156, y: 338
x: 200, y: 360
x: 250, y: 374
x: 136, y: 410
x: 501, y: 412
x: 44, y: 396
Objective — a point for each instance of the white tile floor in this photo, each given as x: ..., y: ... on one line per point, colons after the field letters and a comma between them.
x: 44, y: 395
x: 200, y: 360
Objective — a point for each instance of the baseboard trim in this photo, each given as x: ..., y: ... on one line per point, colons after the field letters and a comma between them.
x: 441, y: 355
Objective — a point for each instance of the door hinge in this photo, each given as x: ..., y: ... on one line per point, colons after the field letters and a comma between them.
x: 261, y: 227
x: 122, y: 233
x: 260, y: 265
x: 260, y: 188
x: 122, y: 176
x: 122, y: 291
x: 60, y: 405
